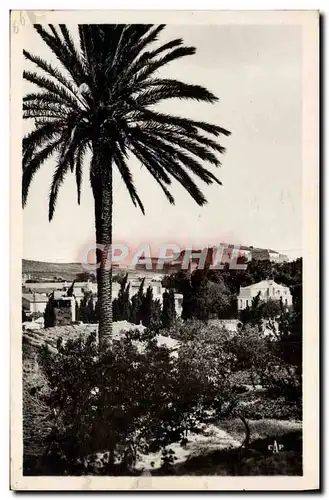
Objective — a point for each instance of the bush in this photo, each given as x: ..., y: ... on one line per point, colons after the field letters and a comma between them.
x: 194, y: 329
x: 261, y: 356
x: 134, y: 398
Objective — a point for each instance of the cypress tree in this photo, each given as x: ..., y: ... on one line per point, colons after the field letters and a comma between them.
x: 168, y: 314
x: 147, y: 307
x: 136, y: 312
x: 121, y: 306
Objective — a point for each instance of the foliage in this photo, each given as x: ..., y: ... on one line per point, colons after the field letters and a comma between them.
x: 85, y: 276
x: 121, y: 305
x: 150, y: 311
x: 212, y: 293
x: 36, y: 315
x: 88, y: 309
x: 99, y: 98
x: 286, y: 273
x: 24, y: 316
x: 168, y: 314
x: 136, y: 304
x: 109, y: 89
x: 262, y: 356
x: 130, y: 399
x: 118, y: 277
x: 261, y: 310
x: 142, y: 308
x: 271, y: 309
x: 192, y: 329
x: 49, y: 314
x: 202, y: 298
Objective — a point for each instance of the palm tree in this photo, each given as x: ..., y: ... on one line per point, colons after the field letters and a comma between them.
x: 102, y: 99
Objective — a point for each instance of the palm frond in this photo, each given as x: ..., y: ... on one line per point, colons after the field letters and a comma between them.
x: 171, y: 56
x: 51, y: 71
x: 65, y: 157
x: 54, y: 32
x: 40, y: 116
x: 101, y: 95
x: 51, y: 86
x: 58, y: 178
x: 138, y: 44
x: 69, y: 60
x: 146, y: 57
x: 69, y: 41
x: 167, y: 162
x: 45, y: 108
x: 171, y: 131
x: 154, y: 168
x: 145, y: 67
x: 45, y: 97
x: 146, y: 115
x: 33, y: 166
x: 166, y: 151
x: 127, y: 178
x: 190, y: 145
x: 78, y: 169
x: 185, y: 180
x: 36, y: 137
x: 156, y: 93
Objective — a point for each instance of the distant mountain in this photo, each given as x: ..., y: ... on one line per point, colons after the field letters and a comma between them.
x: 39, y: 269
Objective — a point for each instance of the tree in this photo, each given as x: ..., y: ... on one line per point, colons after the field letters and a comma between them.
x: 98, y: 97
x: 136, y: 304
x: 24, y: 316
x: 268, y: 364
x: 217, y: 299
x: 126, y: 401
x: 77, y: 311
x: 86, y: 277
x: 121, y: 305
x: 271, y: 309
x: 49, y: 312
x: 202, y: 298
x: 91, y: 310
x: 168, y: 314
x: 87, y: 309
x: 253, y: 315
x: 147, y: 307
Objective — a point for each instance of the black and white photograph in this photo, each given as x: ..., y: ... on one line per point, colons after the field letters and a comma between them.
x: 164, y: 294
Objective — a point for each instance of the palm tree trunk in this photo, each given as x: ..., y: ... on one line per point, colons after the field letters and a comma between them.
x: 101, y: 182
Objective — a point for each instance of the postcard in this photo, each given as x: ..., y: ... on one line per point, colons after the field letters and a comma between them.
x: 164, y: 250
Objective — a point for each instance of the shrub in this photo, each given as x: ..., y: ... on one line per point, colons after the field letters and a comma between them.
x: 261, y: 356
x: 192, y: 329
x: 134, y: 398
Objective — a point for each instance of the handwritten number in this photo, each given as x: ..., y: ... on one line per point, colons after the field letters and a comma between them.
x: 18, y: 23
x: 15, y: 27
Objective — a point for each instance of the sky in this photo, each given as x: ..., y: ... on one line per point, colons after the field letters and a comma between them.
x: 256, y: 73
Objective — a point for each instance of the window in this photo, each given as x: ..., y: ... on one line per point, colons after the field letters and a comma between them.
x: 241, y: 303
x: 247, y: 302
x: 286, y: 301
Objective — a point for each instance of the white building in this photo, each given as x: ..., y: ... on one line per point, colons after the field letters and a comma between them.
x: 34, y: 302
x: 268, y: 290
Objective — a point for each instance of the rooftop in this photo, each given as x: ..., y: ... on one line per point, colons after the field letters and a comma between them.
x: 35, y: 297
x: 264, y: 284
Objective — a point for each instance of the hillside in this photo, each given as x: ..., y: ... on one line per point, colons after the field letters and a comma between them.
x: 39, y: 269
